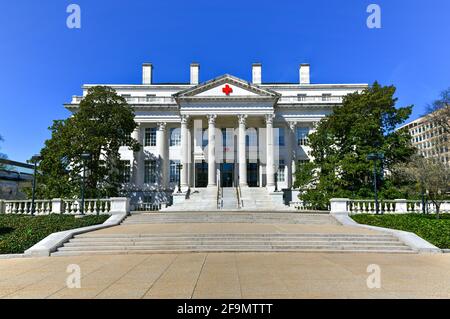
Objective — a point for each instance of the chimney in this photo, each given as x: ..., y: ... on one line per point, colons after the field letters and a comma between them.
x: 304, y: 73
x: 195, y: 73
x: 147, y: 73
x: 256, y: 73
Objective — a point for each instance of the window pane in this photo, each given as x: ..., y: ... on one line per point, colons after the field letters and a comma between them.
x: 302, y: 135
x: 281, y: 137
x: 174, y: 176
x: 125, y: 171
x: 150, y: 136
x: 150, y: 172
x: 280, y: 172
x: 175, y: 137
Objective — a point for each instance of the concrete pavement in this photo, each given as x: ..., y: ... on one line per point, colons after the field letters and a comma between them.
x: 228, y: 275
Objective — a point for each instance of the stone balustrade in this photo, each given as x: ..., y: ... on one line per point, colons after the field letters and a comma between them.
x: 108, y: 206
x: 396, y: 206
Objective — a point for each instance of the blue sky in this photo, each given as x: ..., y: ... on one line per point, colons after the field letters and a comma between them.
x: 43, y: 63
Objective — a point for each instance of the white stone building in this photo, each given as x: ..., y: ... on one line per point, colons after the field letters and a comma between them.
x: 429, y: 139
x: 226, y: 130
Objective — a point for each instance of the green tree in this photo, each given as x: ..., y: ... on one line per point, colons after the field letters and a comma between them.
x: 103, y: 123
x: 365, y: 123
x: 431, y: 175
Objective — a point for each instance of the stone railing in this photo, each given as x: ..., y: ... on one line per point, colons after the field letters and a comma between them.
x: 303, y: 205
x: 310, y: 99
x: 42, y: 207
x: 137, y: 99
x: 108, y: 206
x: 396, y: 206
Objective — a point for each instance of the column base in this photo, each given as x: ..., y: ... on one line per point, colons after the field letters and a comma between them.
x: 270, y: 188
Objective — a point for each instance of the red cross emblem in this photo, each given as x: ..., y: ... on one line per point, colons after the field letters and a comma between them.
x: 227, y: 90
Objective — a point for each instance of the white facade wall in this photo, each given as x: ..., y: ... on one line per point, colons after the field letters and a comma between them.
x: 300, y: 105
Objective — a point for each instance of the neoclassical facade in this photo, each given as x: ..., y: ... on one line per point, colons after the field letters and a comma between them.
x: 226, y: 130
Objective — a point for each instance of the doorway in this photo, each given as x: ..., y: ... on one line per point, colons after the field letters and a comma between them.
x: 253, y: 174
x: 201, y: 174
x: 226, y: 174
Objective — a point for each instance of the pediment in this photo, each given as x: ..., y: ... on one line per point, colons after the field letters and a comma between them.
x: 226, y: 86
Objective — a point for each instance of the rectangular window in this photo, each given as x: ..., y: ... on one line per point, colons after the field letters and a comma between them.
x: 175, y: 137
x: 302, y: 136
x: 174, y: 173
x: 125, y: 172
x: 301, y: 97
x: 280, y: 172
x: 204, y: 137
x: 150, y: 136
x: 150, y: 172
x: 281, y: 137
x: 326, y: 97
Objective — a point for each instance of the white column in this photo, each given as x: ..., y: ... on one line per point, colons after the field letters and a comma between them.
x: 242, y: 151
x: 162, y: 150
x: 212, y: 150
x: 270, y: 168
x: 138, y: 158
x: 292, y: 153
x: 184, y: 153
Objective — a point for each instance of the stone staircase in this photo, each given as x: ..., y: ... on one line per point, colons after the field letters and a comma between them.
x: 229, y: 198
x: 202, y: 199
x: 205, y: 200
x: 230, y: 217
x: 88, y: 244
x: 258, y: 199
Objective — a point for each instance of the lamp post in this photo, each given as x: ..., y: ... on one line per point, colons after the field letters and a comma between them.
x: 84, y: 157
x: 35, y: 159
x: 276, y: 181
x: 374, y: 157
x: 179, y: 167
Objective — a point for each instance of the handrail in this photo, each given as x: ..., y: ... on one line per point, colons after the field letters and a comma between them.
x: 219, y: 196
x: 240, y: 201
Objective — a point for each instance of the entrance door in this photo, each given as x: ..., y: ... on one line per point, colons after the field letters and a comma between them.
x: 226, y: 174
x: 252, y: 174
x: 201, y: 174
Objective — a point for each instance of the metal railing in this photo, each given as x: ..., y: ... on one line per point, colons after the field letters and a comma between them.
x: 240, y: 201
x: 219, y: 192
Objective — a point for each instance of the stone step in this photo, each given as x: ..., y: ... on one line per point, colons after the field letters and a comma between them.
x: 237, y: 247
x: 228, y: 242
x: 239, y: 235
x: 136, y: 252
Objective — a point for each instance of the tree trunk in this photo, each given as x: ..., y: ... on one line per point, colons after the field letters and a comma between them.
x: 438, y: 206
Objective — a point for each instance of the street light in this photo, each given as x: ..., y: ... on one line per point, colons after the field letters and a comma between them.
x: 374, y: 157
x: 179, y: 167
x: 84, y: 157
x: 35, y: 159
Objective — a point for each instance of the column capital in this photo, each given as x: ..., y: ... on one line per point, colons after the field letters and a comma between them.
x: 269, y: 118
x: 161, y: 126
x: 242, y: 118
x: 212, y: 118
x: 292, y: 125
x: 184, y: 118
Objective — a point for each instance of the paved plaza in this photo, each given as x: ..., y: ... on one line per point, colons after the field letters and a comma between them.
x: 228, y: 275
